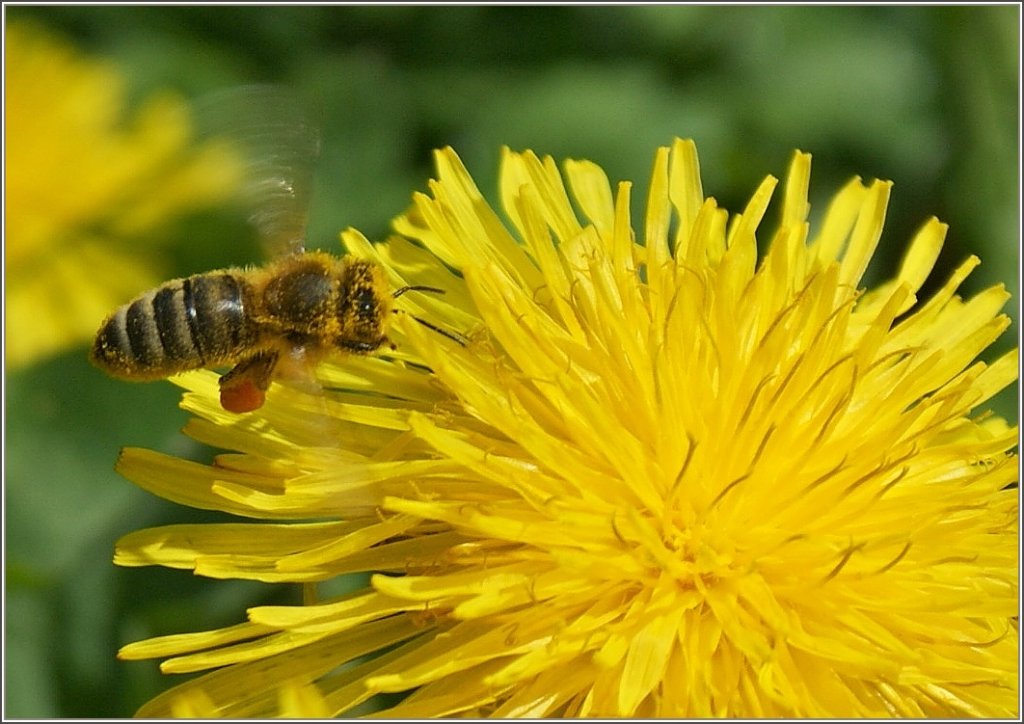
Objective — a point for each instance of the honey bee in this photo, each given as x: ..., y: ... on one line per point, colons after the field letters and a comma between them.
x: 306, y: 304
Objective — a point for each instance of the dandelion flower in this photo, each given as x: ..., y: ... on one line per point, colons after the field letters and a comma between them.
x: 81, y: 179
x: 662, y: 478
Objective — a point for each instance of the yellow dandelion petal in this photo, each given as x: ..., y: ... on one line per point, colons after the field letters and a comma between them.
x: 686, y: 191
x: 282, y: 553
x: 645, y: 664
x: 250, y: 689
x: 302, y: 701
x: 665, y: 476
x: 340, y: 615
x: 183, y: 643
x: 193, y: 704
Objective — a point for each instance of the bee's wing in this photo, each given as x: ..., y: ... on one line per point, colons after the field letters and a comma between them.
x: 271, y: 127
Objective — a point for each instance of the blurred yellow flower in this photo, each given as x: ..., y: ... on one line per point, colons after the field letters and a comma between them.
x: 662, y: 479
x: 81, y: 181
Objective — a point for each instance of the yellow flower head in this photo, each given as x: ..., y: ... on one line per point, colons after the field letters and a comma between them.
x: 662, y: 478
x: 80, y: 179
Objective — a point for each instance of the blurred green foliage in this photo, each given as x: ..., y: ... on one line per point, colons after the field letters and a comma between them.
x: 926, y: 96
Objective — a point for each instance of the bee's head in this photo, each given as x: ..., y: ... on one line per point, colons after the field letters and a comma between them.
x: 364, y: 307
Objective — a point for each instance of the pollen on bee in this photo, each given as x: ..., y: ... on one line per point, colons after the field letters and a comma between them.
x: 244, y: 396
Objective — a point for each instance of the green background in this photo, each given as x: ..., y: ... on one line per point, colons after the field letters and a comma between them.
x: 926, y: 97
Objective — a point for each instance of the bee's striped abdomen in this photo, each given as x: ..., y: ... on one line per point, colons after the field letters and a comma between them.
x: 185, y: 324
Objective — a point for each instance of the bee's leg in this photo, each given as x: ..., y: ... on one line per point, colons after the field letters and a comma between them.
x: 244, y: 387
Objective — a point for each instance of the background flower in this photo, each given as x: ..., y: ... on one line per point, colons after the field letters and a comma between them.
x: 749, y: 84
x: 85, y: 187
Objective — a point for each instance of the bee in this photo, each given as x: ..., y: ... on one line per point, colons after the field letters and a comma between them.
x: 303, y: 305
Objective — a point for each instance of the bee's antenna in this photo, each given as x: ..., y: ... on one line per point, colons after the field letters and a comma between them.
x: 443, y: 332
x: 433, y: 327
x: 416, y: 288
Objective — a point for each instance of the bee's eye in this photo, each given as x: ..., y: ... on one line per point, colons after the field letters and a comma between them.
x: 366, y: 304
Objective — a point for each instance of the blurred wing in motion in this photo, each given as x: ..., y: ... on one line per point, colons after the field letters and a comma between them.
x: 271, y: 128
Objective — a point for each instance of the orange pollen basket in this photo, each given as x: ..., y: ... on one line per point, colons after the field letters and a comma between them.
x: 242, y: 397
